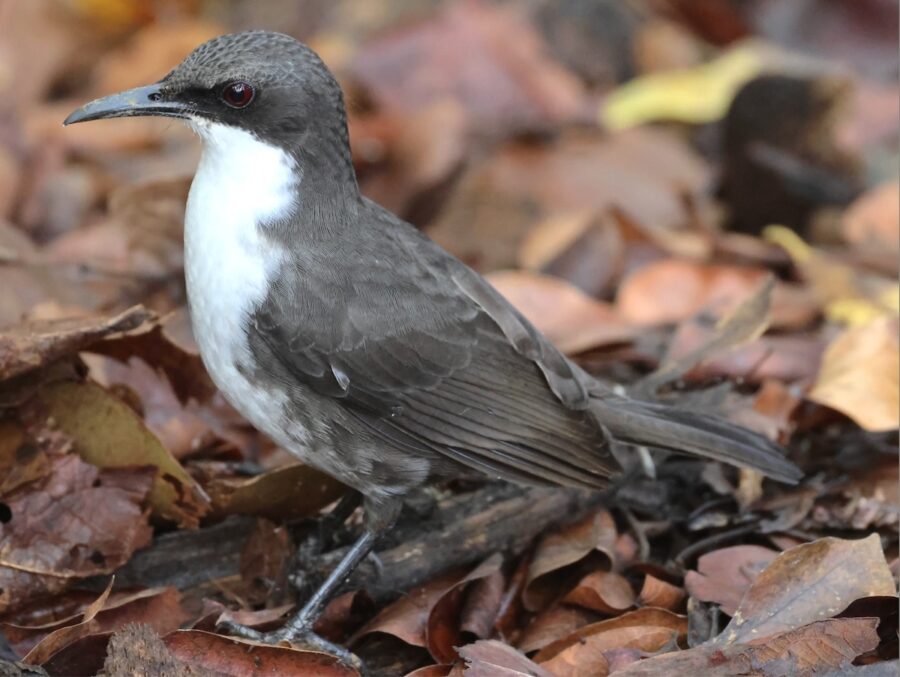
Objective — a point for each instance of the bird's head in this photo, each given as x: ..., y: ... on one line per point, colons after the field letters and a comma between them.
x: 266, y: 84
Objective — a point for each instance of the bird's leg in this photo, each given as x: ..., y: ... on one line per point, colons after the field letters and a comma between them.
x: 319, y: 540
x: 380, y: 515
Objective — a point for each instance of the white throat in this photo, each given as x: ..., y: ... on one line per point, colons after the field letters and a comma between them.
x: 241, y: 184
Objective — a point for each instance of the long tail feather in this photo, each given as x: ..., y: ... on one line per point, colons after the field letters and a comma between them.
x: 679, y: 430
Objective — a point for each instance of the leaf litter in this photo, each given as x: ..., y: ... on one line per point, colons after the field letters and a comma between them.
x: 742, y: 260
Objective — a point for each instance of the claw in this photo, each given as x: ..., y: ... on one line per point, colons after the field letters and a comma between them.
x: 301, y: 637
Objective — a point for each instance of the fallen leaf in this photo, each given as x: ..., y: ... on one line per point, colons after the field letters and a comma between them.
x: 581, y: 652
x: 672, y: 290
x: 465, y: 53
x: 642, y: 177
x: 603, y: 591
x: 227, y: 656
x: 109, y: 434
x: 490, y: 658
x: 150, y: 53
x: 820, y: 579
x: 263, y: 559
x: 57, y: 639
x: 873, y: 220
x: 427, y: 615
x: 723, y: 576
x: 160, y: 608
x: 697, y: 94
x: 563, y: 548
x: 552, y: 625
x: 743, y: 324
x: 77, y: 521
x: 482, y: 605
x: 284, y: 493
x: 34, y: 344
x: 573, y: 321
x: 788, y: 358
x: 816, y: 648
x: 658, y: 593
x: 859, y: 375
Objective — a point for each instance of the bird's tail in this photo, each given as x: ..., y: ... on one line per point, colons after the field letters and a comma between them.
x: 665, y: 427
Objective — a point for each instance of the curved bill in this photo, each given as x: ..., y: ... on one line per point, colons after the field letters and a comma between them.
x: 141, y: 101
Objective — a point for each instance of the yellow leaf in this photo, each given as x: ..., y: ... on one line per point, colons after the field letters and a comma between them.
x: 694, y: 95
x: 108, y: 434
x: 859, y: 375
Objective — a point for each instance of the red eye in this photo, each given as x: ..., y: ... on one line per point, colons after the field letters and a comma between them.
x: 238, y: 94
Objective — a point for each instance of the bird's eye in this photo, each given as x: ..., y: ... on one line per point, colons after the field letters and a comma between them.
x: 238, y: 94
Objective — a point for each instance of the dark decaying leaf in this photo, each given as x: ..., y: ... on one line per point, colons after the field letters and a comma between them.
x: 812, y: 649
x: 820, y: 579
x: 31, y: 345
x: 75, y: 522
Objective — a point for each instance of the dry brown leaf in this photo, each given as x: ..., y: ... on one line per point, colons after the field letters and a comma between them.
x: 563, y: 548
x: 573, y: 321
x: 859, y: 375
x: 159, y: 608
x: 816, y: 648
x: 873, y: 221
x: 820, y: 579
x: 643, y: 176
x: 109, y: 434
x: 723, y: 576
x: 482, y: 605
x: 442, y: 630
x: 554, y: 624
x: 672, y: 290
x: 646, y: 629
x: 603, y: 591
x: 490, y: 658
x: 150, y: 53
x: 289, y: 492
x: 37, y: 343
x: 58, y: 639
x: 466, y: 52
x: 227, y: 656
x: 660, y: 594
x: 75, y: 522
x: 787, y: 358
x: 427, y: 615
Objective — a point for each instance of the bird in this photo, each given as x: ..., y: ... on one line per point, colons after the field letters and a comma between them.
x: 352, y: 339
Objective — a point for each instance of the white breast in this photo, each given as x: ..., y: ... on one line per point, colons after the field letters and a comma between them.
x: 240, y: 183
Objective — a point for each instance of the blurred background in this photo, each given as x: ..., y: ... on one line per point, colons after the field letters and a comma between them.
x: 586, y: 140
x: 697, y: 196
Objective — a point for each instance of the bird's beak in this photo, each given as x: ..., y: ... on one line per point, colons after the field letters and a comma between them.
x: 141, y: 101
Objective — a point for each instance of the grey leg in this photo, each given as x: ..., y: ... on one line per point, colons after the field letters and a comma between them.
x: 380, y: 515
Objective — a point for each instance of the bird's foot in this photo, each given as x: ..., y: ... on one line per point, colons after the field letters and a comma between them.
x: 297, y: 634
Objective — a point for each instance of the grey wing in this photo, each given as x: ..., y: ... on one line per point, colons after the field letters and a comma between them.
x: 435, y: 361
